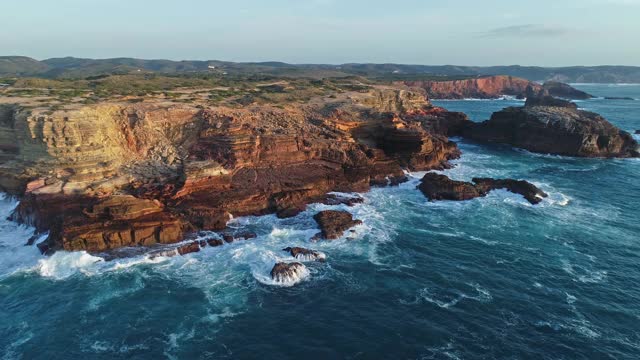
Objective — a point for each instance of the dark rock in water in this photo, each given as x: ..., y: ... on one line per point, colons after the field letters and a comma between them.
x: 550, y: 101
x: 530, y: 192
x: 189, y: 248
x: 440, y: 187
x: 215, y: 242
x: 334, y: 223
x: 163, y: 253
x: 306, y: 254
x: 333, y: 199
x: 288, y: 273
x: 542, y: 126
x: 289, y: 212
x: 246, y: 235
x: 565, y: 91
x: 45, y: 249
x: 618, y: 98
x: 32, y: 240
x: 543, y: 98
x: 637, y: 132
x: 228, y: 238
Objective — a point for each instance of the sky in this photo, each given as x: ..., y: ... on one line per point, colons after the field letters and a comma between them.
x: 457, y: 32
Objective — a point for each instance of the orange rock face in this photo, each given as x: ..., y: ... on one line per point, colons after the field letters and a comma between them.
x: 479, y: 88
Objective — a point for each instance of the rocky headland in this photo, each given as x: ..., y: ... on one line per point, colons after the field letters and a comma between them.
x: 493, y: 87
x: 115, y: 174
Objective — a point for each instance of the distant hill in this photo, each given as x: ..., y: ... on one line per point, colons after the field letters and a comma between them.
x: 70, y: 67
x: 21, y: 65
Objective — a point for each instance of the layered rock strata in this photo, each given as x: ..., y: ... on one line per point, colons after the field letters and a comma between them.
x: 111, y: 175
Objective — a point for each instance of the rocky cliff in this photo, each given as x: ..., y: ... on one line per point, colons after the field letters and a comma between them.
x: 489, y: 87
x: 492, y: 87
x: 116, y: 174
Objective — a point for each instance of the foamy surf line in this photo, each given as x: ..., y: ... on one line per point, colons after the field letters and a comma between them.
x: 258, y: 255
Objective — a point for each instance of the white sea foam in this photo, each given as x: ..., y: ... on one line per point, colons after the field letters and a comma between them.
x: 14, y: 255
x: 63, y: 264
x: 430, y: 296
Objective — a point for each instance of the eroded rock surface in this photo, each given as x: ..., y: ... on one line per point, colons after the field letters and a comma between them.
x: 288, y: 273
x: 334, y: 223
x: 104, y: 176
x: 440, y: 187
x: 549, y: 125
x: 303, y: 254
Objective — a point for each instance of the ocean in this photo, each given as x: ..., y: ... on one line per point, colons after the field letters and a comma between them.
x: 489, y: 278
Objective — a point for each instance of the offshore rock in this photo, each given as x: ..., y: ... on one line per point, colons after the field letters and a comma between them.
x: 288, y: 273
x: 549, y: 125
x: 303, y: 254
x: 334, y: 223
x: 440, y: 187
x: 529, y: 191
x: 565, y: 91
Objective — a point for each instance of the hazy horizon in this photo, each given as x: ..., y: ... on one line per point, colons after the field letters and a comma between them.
x: 464, y: 33
x: 313, y: 63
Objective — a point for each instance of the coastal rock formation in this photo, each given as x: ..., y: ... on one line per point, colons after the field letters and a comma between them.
x: 488, y: 87
x: 116, y: 174
x: 440, y: 187
x: 335, y: 199
x: 288, y: 273
x: 549, y: 125
x: 303, y: 254
x: 493, y: 87
x: 334, y: 223
x: 565, y: 91
x: 529, y: 191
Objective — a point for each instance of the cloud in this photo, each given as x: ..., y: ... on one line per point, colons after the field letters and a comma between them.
x: 526, y: 30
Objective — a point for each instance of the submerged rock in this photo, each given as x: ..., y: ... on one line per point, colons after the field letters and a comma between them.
x: 215, y: 242
x: 306, y: 254
x: 288, y: 273
x: 245, y: 235
x: 334, y: 199
x: 549, y: 125
x: 334, y: 223
x: 189, y: 248
x: 440, y: 187
x: 619, y: 98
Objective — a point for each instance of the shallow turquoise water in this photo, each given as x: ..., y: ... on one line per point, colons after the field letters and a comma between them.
x: 488, y: 278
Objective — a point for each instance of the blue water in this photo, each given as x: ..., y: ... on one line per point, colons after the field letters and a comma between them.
x: 488, y: 278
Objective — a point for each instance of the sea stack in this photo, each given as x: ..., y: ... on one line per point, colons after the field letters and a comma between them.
x: 554, y: 126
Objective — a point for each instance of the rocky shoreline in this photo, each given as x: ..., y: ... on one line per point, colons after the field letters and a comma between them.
x: 107, y: 176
